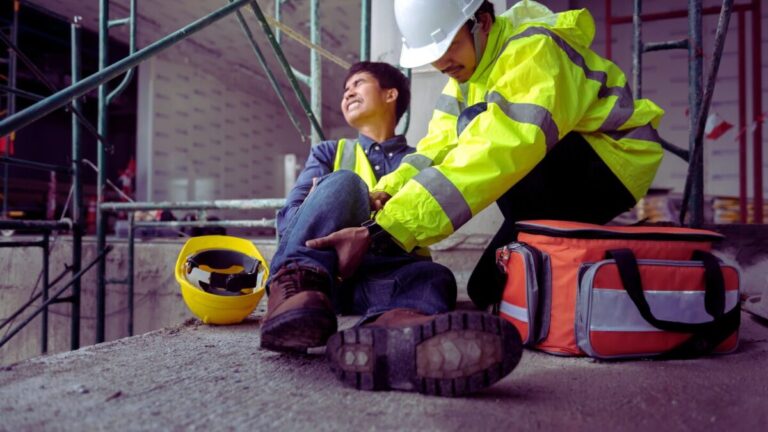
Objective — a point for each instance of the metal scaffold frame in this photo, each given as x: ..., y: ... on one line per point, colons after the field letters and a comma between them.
x: 698, y: 103
x: 70, y: 98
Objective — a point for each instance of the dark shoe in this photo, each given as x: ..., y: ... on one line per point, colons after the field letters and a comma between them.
x: 299, y: 313
x: 451, y: 354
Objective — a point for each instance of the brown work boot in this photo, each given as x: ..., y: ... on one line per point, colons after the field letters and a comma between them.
x: 299, y: 313
x: 450, y: 354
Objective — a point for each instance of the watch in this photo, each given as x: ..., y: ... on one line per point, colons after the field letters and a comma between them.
x: 380, y: 239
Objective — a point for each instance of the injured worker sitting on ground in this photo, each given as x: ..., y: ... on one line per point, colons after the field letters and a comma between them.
x: 407, y: 338
x: 531, y: 118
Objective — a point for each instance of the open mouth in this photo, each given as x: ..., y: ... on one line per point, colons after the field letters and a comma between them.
x: 353, y: 105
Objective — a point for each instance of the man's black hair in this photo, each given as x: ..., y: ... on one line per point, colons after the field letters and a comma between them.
x: 485, y: 7
x: 388, y: 77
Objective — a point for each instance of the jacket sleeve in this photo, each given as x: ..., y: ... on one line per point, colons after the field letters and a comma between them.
x: 535, y: 96
x: 319, y: 163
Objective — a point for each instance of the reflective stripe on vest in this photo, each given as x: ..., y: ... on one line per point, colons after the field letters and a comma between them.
x: 353, y: 158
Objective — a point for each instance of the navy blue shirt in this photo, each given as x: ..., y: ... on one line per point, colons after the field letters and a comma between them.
x: 384, y: 158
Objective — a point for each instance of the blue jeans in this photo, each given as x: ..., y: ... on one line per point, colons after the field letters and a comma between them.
x: 386, y: 281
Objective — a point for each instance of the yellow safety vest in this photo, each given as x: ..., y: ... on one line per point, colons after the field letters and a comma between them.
x: 351, y: 156
x: 540, y: 81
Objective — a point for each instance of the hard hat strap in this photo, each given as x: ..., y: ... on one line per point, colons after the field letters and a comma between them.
x: 475, y: 32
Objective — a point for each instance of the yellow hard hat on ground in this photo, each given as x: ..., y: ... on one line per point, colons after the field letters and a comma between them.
x: 222, y: 278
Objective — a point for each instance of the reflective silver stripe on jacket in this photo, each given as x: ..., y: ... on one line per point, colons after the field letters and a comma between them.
x: 449, y: 105
x: 613, y: 310
x: 528, y: 113
x: 517, y: 312
x: 623, y: 108
x: 447, y: 195
x: 348, y: 156
x: 417, y: 161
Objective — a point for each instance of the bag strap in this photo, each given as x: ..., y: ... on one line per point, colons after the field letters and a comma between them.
x: 705, y: 336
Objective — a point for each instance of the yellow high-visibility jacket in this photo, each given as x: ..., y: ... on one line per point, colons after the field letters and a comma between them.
x: 540, y: 81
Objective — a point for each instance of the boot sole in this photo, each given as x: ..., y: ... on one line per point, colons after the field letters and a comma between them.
x: 453, y: 355
x: 298, y: 330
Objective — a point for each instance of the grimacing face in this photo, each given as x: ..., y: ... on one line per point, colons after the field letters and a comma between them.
x: 364, y: 98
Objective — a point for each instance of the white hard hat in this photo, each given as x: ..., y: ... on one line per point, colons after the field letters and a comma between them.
x: 428, y: 27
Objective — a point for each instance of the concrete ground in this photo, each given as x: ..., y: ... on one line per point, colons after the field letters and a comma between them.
x: 198, y: 377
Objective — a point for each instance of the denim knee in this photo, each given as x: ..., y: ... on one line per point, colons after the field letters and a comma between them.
x: 345, y: 182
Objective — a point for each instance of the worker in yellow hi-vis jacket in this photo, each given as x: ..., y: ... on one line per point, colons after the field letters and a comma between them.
x: 531, y: 118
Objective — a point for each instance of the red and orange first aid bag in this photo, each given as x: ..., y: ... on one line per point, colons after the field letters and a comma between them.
x: 615, y: 292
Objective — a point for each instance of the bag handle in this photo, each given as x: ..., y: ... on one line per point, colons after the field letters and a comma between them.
x: 706, y: 336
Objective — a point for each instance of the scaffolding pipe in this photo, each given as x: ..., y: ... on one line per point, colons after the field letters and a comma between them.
x: 250, y: 204
x: 315, y: 68
x: 659, y: 46
x: 742, y: 77
x: 34, y: 165
x: 278, y: 7
x: 697, y: 155
x: 695, y: 74
x: 61, y: 98
x: 12, y: 66
x: 101, y: 173
x: 262, y: 223
x: 661, y: 16
x: 406, y: 120
x: 286, y: 69
x: 78, y: 226
x: 365, y: 30
x: 637, y: 50
x: 608, y: 30
x: 53, y: 298
x: 272, y: 80
x: 22, y: 93
x: 46, y: 287
x: 131, y: 253
x: 34, y: 224
x: 15, y: 244
x: 131, y: 50
x: 757, y: 107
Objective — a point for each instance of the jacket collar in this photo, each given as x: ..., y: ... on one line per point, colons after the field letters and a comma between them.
x: 493, y: 48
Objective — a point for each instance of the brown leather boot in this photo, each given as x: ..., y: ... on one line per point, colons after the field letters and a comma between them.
x: 299, y: 313
x: 450, y: 354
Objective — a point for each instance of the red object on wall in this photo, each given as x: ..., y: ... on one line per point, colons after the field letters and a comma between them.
x: 5, y: 146
x: 716, y: 127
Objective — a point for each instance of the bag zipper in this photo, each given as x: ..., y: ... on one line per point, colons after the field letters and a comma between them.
x: 580, y: 233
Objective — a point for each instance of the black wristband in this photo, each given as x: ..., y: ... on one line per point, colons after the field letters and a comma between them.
x: 380, y: 239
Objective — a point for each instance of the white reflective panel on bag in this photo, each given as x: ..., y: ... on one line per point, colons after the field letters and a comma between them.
x: 516, y: 312
x: 613, y: 310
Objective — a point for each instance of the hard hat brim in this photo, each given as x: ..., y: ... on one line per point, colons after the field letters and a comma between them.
x: 415, y: 57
